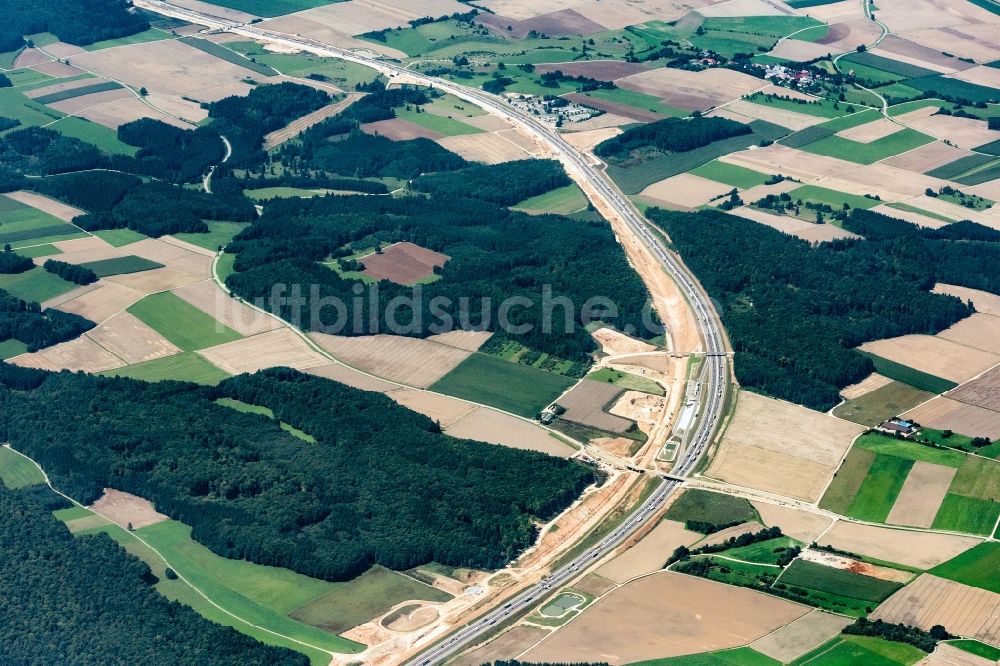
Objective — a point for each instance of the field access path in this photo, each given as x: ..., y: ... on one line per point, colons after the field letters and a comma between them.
x: 636, y: 236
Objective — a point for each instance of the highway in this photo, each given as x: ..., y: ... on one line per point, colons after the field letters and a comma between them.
x: 715, y: 375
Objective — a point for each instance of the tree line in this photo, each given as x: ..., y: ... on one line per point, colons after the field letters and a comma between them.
x: 70, y: 272
x: 81, y: 22
x: 26, y: 322
x: 85, y: 600
x: 381, y: 485
x: 671, y: 135
x: 504, y: 184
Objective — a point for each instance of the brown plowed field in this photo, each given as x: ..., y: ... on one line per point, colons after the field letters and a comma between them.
x: 692, y: 90
x: 410, y: 361
x: 127, y: 509
x: 686, y: 190
x: 403, y: 263
x: 341, y: 373
x: 467, y: 340
x: 615, y: 108
x: 491, y: 148
x: 156, y: 280
x: 947, y: 655
x: 80, y: 354
x: 506, y: 646
x: 566, y: 22
x: 585, y: 404
x: 667, y: 615
x: 131, y: 340
x: 603, y: 70
x: 398, y: 129
x: 267, y: 350
x: 172, y: 256
x: 946, y: 414
x: 105, y: 300
x: 915, y: 549
x: 29, y: 57
x: 983, y: 391
x: 441, y: 408
x: 927, y: 157
x: 76, y: 105
x: 929, y: 600
x: 981, y: 331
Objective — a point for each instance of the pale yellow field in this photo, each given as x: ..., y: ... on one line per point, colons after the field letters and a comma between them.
x: 814, y: 233
x: 927, y: 157
x: 929, y: 600
x: 763, y: 447
x: 341, y: 373
x: 80, y: 354
x: 866, y: 385
x: 156, y: 280
x: 650, y: 553
x: 922, y: 550
x: 904, y: 15
x: 100, y: 302
x: 889, y: 182
x: 131, y: 340
x: 51, y: 206
x: 872, y: 131
x: 800, y: 51
x: 77, y: 105
x: 299, y: 125
x: 921, y: 496
x: 668, y: 615
x: 791, y: 119
x: 173, y: 256
x: 686, y: 190
x: 909, y: 216
x: 692, y: 90
x: 982, y: 300
x: 947, y: 414
x: 934, y: 355
x: 963, y: 132
x: 441, y: 408
x: 266, y: 350
x: 59, y: 87
x: 468, y: 340
x: 980, y: 331
x: 489, y: 425
x: 410, y: 361
x: 796, y: 523
x: 947, y: 655
x: 793, y: 640
x: 208, y: 297
x: 491, y: 148
x: 777, y: 158
x: 506, y: 646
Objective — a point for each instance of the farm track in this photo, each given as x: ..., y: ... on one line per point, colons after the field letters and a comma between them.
x: 627, y: 221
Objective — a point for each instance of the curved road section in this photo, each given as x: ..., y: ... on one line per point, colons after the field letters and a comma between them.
x: 716, y: 375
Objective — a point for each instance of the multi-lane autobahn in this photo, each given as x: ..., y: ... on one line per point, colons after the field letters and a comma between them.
x: 715, y: 377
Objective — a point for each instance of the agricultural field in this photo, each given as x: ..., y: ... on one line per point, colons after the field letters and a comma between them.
x: 16, y: 471
x: 121, y: 266
x: 974, y: 567
x: 186, y: 366
x: 562, y: 200
x: 626, y: 380
x: 708, y: 507
x: 36, y: 285
x: 895, y: 481
x: 882, y: 403
x: 181, y: 323
x: 512, y: 387
x: 861, y: 650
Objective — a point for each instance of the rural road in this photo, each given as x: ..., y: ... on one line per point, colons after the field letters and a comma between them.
x: 716, y: 377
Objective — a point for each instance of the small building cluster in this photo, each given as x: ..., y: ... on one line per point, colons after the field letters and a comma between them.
x: 555, y: 111
x: 898, y: 427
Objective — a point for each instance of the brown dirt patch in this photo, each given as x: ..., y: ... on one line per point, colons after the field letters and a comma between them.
x: 585, y: 404
x: 557, y: 24
x: 46, y: 205
x: 266, y: 350
x: 403, y: 263
x: 603, y: 70
x: 131, y: 340
x: 934, y: 355
x: 799, y: 524
x: 398, y: 129
x: 794, y: 640
x: 663, y: 615
x: 441, y: 408
x: 982, y: 300
x: 981, y: 331
x: 488, y: 425
x: 208, y: 297
x: 929, y: 600
x: 764, y: 447
x: 80, y: 354
x: 410, y: 361
x: 507, y: 646
x: 409, y: 618
x: 855, y: 565
x: 650, y: 553
x: 614, y: 108
x: 692, y: 90
x: 865, y: 386
x: 594, y: 585
x: 125, y: 508
x: 613, y: 342
x: 921, y: 496
x: 946, y: 414
x: 643, y: 408
x: 351, y: 377
x: 99, y: 303
x: 915, y: 549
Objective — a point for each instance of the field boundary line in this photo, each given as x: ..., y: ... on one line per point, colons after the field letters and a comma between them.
x: 48, y: 482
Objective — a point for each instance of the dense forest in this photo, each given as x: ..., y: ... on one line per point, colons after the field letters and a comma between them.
x: 37, y: 328
x: 495, y: 254
x: 40, y: 151
x: 673, y: 135
x: 794, y: 311
x: 80, y: 22
x: 504, y: 184
x: 85, y: 600
x: 168, y: 152
x: 11, y: 262
x: 381, y: 485
x: 71, y: 272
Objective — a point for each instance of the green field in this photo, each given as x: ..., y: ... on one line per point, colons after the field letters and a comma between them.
x: 743, y: 656
x: 513, y: 387
x: 976, y: 567
x: 270, y: 8
x: 44, y: 250
x: 709, y: 507
x: 882, y: 403
x: 25, y: 76
x: 955, y: 88
x: 833, y: 198
x: 867, y: 650
x: 823, y: 108
x: 436, y: 123
x: 16, y: 471
x: 971, y: 515
x: 894, y: 67
x: 230, y: 56
x: 71, y: 93
x: 847, y: 480
x: 247, y: 408
x: 763, y: 552
x: 911, y: 376
x: 562, y: 200
x: 879, y: 490
x: 20, y: 222
x: 977, y: 648
x: 279, y: 192
x: 900, y: 448
x: 627, y: 380
x: 341, y: 73
x: 11, y: 347
x: 186, y: 367
x: 814, y: 576
x: 219, y: 234
x: 868, y: 153
x: 121, y: 266
x: 119, y: 237
x: 35, y: 285
x: 224, y: 265
x: 731, y: 174
x: 978, y: 477
x: 961, y: 166
x: 181, y: 323
x: 151, y: 35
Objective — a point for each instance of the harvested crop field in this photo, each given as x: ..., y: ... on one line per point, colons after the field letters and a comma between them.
x: 585, y: 404
x: 208, y: 297
x: 934, y: 355
x: 299, y: 125
x: 799, y: 524
x: 490, y: 147
x: 920, y: 498
x: 602, y: 70
x: 615, y: 108
x: 947, y: 654
x: 266, y: 350
x: 927, y: 157
x: 98, y: 302
x: 929, y: 600
x: 76, y: 105
x: 80, y: 354
x: 777, y: 158
x: 763, y: 447
x: 804, y: 634
x: 566, y: 22
x: 922, y: 550
x: 809, y: 231
x: 187, y: 258
x: 441, y: 408
x: 793, y: 120
x: 403, y: 263
x: 910, y: 216
x: 126, y: 509
x: 867, y: 385
x: 685, y: 190
x: 410, y: 361
x: 884, y: 402
x: 692, y: 90
x: 963, y: 132
x: 131, y: 340
x: 58, y: 209
x: 869, y: 132
x: 399, y: 129
x: 649, y: 553
x: 666, y: 614
x: 154, y: 281
x: 983, y: 301
x: 980, y: 331
x: 507, y: 646
x: 488, y: 425
x: 943, y: 413
x: 341, y: 373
